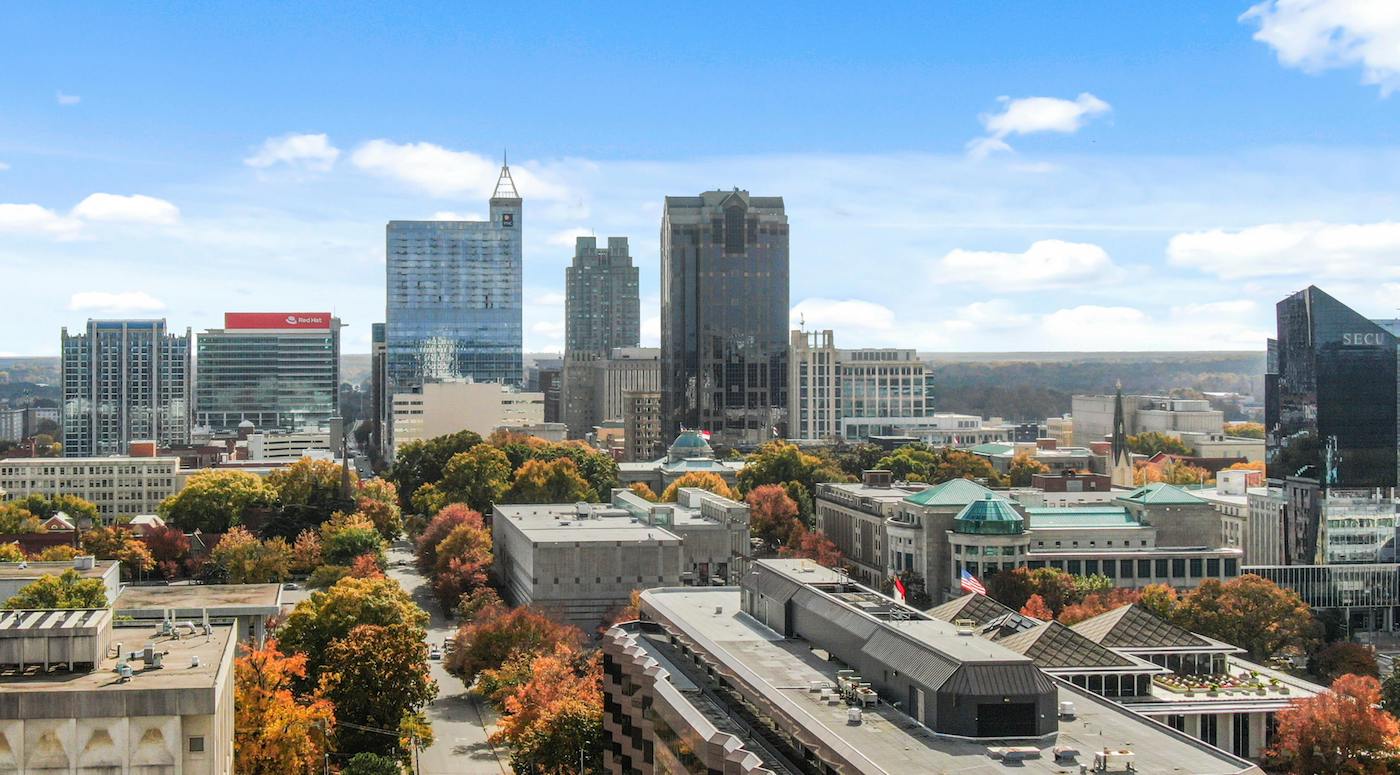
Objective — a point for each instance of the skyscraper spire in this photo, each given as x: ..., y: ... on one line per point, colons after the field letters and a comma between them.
x: 505, y: 185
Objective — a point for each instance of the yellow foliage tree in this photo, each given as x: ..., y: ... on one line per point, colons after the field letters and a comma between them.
x: 274, y: 733
x: 702, y: 479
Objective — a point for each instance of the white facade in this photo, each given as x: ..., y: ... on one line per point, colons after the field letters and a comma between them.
x: 853, y: 394
x: 1263, y: 543
x: 289, y: 446
x: 448, y: 407
x: 1093, y: 416
x: 118, y: 486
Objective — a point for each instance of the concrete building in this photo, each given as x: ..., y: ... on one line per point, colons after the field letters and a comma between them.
x: 854, y: 394
x: 114, y: 700
x: 454, y: 297
x: 550, y: 376
x: 689, y: 453
x: 118, y: 486
x: 594, y: 384
x: 1061, y: 429
x: 893, y: 691
x: 1058, y: 460
x: 19, y: 424
x: 1093, y: 416
x: 1264, y: 528
x: 1149, y: 666
x: 279, y: 370
x: 290, y: 445
x: 853, y: 516
x: 724, y: 316
x: 124, y: 380
x: 15, y: 576
x: 246, y: 608
x: 641, y: 426
x: 602, y: 307
x: 579, y: 561
x: 439, y: 408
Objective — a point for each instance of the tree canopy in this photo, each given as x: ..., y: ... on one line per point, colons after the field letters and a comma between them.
x: 477, y: 477
x: 555, y: 715
x: 701, y: 479
x: 423, y: 462
x: 549, y: 481
x: 274, y: 731
x: 1250, y: 612
x: 327, y: 616
x: 922, y: 463
x: 214, y: 500
x: 487, y: 642
x: 1150, y: 443
x: 1339, y: 731
x: 377, y: 676
x: 772, y: 516
x: 69, y: 590
x: 45, y: 506
x: 239, y: 558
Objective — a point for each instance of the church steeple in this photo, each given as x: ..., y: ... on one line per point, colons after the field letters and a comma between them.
x: 1120, y: 457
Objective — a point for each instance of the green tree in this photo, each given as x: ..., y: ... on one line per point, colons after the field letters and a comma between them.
x: 1343, y: 658
x: 372, y: 764
x: 552, y: 481
x: 239, y: 558
x: 477, y: 477
x: 1150, y: 443
x: 701, y: 479
x: 45, y: 506
x: 347, y: 536
x: 1390, y: 690
x: 779, y: 462
x: 377, y: 676
x: 1250, y: 612
x: 214, y: 500
x: 597, y: 468
x: 1012, y: 588
x: 378, y: 500
x: 327, y: 616
x: 69, y: 590
x: 422, y: 462
x: 921, y: 463
x: 309, y: 489
x: 855, y: 459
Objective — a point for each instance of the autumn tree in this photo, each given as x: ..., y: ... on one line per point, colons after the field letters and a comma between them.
x: 1036, y: 608
x: 772, y: 515
x: 1160, y: 600
x: 1096, y: 603
x: 1250, y: 612
x: 1171, y: 472
x: 327, y: 616
x: 554, y: 717
x: 641, y: 490
x: 377, y: 676
x: 58, y: 553
x: 441, y: 526
x: 214, y: 500
x: 1342, y: 730
x: 10, y: 552
x: 347, y: 536
x: 482, y: 602
x: 306, y: 552
x: 922, y: 463
x: 463, y: 564
x: 167, y: 544
x: 422, y: 462
x: 69, y: 590
x: 488, y: 642
x: 1245, y: 430
x: 813, y: 545
x: 1012, y: 588
x: 1023, y: 467
x: 1149, y: 443
x: 549, y: 481
x: 701, y: 479
x: 45, y: 506
x: 14, y: 519
x: 780, y: 462
x: 239, y: 558
x: 308, y: 492
x: 477, y: 477
x: 378, y: 501
x: 1343, y: 658
x: 427, y: 500
x: 275, y: 731
x: 597, y: 468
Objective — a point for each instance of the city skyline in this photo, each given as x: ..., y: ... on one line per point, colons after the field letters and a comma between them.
x: 1166, y: 218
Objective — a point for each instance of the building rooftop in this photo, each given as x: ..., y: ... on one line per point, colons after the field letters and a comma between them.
x: 191, y: 599
x: 1132, y: 627
x: 1081, y: 516
x: 1161, y: 494
x: 888, y: 741
x: 954, y: 492
x: 579, y: 523
x: 33, y: 570
x: 989, y: 516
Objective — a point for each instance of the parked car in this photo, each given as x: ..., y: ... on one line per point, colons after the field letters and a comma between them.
x: 290, y: 585
x: 434, y: 653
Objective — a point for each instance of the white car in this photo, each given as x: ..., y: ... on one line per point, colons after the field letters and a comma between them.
x: 434, y: 653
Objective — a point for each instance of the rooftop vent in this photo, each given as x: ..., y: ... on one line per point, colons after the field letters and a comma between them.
x: 84, y: 562
x: 1067, y: 710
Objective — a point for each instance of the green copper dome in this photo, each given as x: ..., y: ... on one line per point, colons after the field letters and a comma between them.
x: 989, y: 516
x: 690, y: 444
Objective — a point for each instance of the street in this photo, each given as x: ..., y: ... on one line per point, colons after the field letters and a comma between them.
x: 461, y: 722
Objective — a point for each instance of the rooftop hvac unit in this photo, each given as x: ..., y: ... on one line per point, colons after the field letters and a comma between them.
x: 1067, y: 710
x: 853, y: 715
x: 84, y: 562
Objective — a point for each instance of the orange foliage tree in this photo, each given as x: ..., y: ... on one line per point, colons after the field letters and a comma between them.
x: 1035, y: 607
x: 556, y: 714
x: 487, y: 642
x: 772, y: 515
x: 1340, y: 731
x: 813, y: 545
x: 274, y: 733
x: 702, y: 479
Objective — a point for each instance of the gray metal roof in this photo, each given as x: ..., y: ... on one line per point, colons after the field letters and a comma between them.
x: 1053, y: 645
x: 1004, y: 679
x: 915, y: 660
x: 979, y: 608
x: 1132, y: 626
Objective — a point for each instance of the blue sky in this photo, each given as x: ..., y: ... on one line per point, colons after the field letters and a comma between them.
x: 959, y: 176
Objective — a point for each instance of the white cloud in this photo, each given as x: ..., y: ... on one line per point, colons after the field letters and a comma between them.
x: 565, y: 238
x: 443, y: 172
x: 1045, y: 263
x: 32, y: 218
x: 312, y: 152
x: 137, y: 208
x: 1030, y: 115
x: 1282, y: 249
x: 3, y: 166
x: 991, y: 315
x: 1317, y: 35
x: 651, y: 331
x: 127, y: 301
x: 841, y: 315
x: 68, y: 99
x: 448, y: 215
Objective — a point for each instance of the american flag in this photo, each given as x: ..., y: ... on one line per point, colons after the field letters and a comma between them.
x: 971, y: 584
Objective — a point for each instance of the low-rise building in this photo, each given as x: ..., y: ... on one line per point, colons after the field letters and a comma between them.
x: 19, y: 424
x: 118, y: 486
x: 801, y: 670
x: 244, y: 607
x: 580, y: 561
x: 1264, y: 529
x: 595, y: 386
x: 853, y: 516
x: 1093, y: 416
x: 289, y: 445
x: 124, y: 700
x: 15, y: 576
x: 689, y: 453
x: 1046, y: 451
x: 439, y: 408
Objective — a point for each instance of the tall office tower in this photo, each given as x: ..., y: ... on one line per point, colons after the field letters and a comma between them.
x: 602, y: 309
x: 724, y: 316
x: 454, y: 298
x: 1330, y: 414
x: 124, y: 380
x: 380, y: 402
x: 273, y: 369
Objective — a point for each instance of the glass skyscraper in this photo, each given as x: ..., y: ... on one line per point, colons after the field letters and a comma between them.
x: 124, y: 381
x: 724, y: 316
x: 454, y: 296
x: 277, y: 370
x: 602, y: 309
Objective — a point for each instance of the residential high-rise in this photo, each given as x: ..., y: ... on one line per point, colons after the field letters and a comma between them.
x: 124, y: 380
x: 274, y: 369
x: 454, y: 296
x: 601, y: 304
x: 724, y: 316
x: 854, y: 394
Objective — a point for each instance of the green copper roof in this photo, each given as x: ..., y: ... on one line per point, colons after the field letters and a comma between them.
x: 954, y: 492
x: 1159, y: 494
x: 687, y: 445
x: 989, y: 516
x: 1080, y: 516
